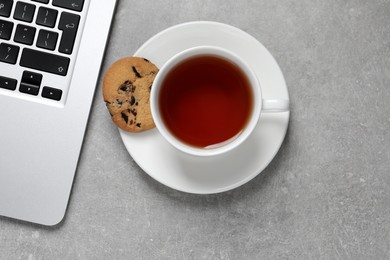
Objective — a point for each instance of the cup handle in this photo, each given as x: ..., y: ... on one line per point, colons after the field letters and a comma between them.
x: 275, y: 105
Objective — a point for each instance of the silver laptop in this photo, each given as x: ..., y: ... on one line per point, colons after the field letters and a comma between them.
x: 50, y: 56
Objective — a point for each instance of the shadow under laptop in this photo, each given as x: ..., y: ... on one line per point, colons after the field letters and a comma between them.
x: 12, y: 221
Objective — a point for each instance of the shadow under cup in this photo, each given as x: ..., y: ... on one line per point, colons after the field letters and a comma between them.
x: 205, y: 101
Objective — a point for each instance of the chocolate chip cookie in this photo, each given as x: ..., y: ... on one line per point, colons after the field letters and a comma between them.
x: 126, y: 91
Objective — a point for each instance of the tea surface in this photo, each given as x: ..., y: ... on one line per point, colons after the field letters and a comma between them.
x: 205, y: 101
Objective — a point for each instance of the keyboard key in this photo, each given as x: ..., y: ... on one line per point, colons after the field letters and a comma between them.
x: 47, y: 17
x: 6, y: 29
x: 29, y: 89
x: 6, y: 7
x: 8, y: 83
x: 24, y: 34
x: 44, y: 62
x: 32, y: 78
x: 47, y: 40
x: 52, y: 93
x: 42, y: 1
x: 31, y: 82
x: 24, y: 12
x: 9, y: 53
x: 69, y: 24
x: 75, y: 5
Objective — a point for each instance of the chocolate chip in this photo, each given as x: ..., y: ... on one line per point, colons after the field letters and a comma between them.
x: 138, y: 125
x: 131, y: 121
x: 132, y: 101
x: 136, y: 72
x: 134, y: 112
x: 146, y: 60
x: 125, y: 117
x: 119, y: 102
x: 136, y: 103
x: 125, y: 87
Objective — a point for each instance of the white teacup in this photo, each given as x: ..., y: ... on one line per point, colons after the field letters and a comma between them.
x: 259, y: 104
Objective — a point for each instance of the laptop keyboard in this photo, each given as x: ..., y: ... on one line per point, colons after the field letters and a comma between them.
x: 38, y: 46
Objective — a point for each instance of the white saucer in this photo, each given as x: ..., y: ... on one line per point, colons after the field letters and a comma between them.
x: 212, y: 175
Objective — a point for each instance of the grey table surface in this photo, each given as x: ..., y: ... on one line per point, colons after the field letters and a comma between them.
x: 326, y: 195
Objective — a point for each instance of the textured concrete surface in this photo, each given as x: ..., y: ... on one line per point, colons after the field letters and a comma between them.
x: 326, y: 195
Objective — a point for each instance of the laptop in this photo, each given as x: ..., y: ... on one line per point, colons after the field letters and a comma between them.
x: 50, y: 57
